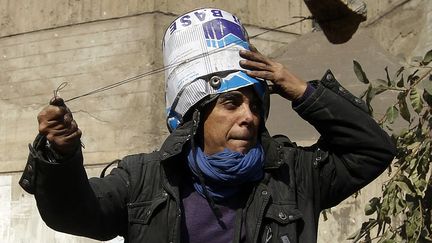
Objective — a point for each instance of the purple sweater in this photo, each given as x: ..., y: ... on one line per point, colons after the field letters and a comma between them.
x: 200, y: 225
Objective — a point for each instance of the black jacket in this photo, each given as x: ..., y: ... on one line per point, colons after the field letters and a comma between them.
x: 140, y: 198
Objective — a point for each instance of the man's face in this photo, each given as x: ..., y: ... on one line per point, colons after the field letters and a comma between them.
x: 232, y: 122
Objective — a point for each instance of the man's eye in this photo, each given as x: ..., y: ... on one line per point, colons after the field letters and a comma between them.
x: 255, y: 108
x: 231, y: 104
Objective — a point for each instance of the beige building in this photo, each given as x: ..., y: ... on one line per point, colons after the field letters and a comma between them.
x: 93, y: 43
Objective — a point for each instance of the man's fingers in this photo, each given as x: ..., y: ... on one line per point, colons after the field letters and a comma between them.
x: 254, y: 56
x: 73, y: 127
x: 67, y: 140
x: 261, y: 74
x: 54, y: 118
x: 252, y: 65
x: 76, y: 135
x: 52, y: 112
x: 68, y: 118
x: 47, y: 126
x: 61, y: 136
x: 66, y: 144
x: 59, y: 133
x: 63, y: 130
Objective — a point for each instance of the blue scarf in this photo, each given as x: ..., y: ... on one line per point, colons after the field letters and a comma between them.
x: 224, y: 172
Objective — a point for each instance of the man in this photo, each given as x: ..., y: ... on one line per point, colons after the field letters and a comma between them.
x: 219, y: 176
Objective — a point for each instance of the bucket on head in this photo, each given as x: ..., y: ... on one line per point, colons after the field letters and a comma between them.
x: 201, y: 57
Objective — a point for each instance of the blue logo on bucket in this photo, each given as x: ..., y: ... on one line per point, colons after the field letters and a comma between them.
x: 220, y: 33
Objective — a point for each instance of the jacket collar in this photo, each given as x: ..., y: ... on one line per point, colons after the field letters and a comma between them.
x: 273, y: 151
x: 175, y: 143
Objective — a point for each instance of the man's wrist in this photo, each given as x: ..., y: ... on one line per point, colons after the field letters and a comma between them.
x: 308, y: 92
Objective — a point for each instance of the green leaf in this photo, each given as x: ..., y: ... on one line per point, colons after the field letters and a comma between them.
x: 413, y: 77
x: 410, y: 230
x: 403, y: 107
x: 385, y: 206
x: 389, y: 81
x: 412, y: 225
x: 420, y: 186
x: 383, y: 240
x: 401, y: 81
x: 363, y: 94
x: 372, y: 206
x: 399, y: 71
x: 400, y: 206
x: 361, y: 75
x: 403, y: 185
x: 428, y: 237
x: 369, y: 210
x: 365, y: 227
x: 427, y: 58
x: 416, y: 101
x: 427, y: 97
x: 413, y: 146
x: 391, y: 114
x: 412, y: 161
x: 380, y: 89
x: 381, y: 226
x: 370, y: 94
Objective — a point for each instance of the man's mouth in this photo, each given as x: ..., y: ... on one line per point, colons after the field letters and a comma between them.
x: 243, y: 138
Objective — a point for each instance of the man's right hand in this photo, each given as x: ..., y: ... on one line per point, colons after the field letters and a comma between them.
x: 57, y: 124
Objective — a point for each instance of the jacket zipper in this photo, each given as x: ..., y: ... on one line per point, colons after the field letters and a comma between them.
x: 261, y: 214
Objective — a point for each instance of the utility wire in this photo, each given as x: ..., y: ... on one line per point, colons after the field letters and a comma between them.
x: 161, y: 69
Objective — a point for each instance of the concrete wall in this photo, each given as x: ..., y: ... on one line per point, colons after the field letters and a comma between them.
x: 87, y: 58
x: 92, y: 43
x: 48, y: 14
x: 403, y: 27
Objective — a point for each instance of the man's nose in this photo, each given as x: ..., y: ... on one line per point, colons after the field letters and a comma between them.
x: 247, y: 115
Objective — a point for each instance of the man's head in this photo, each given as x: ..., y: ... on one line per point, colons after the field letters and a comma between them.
x: 232, y: 121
